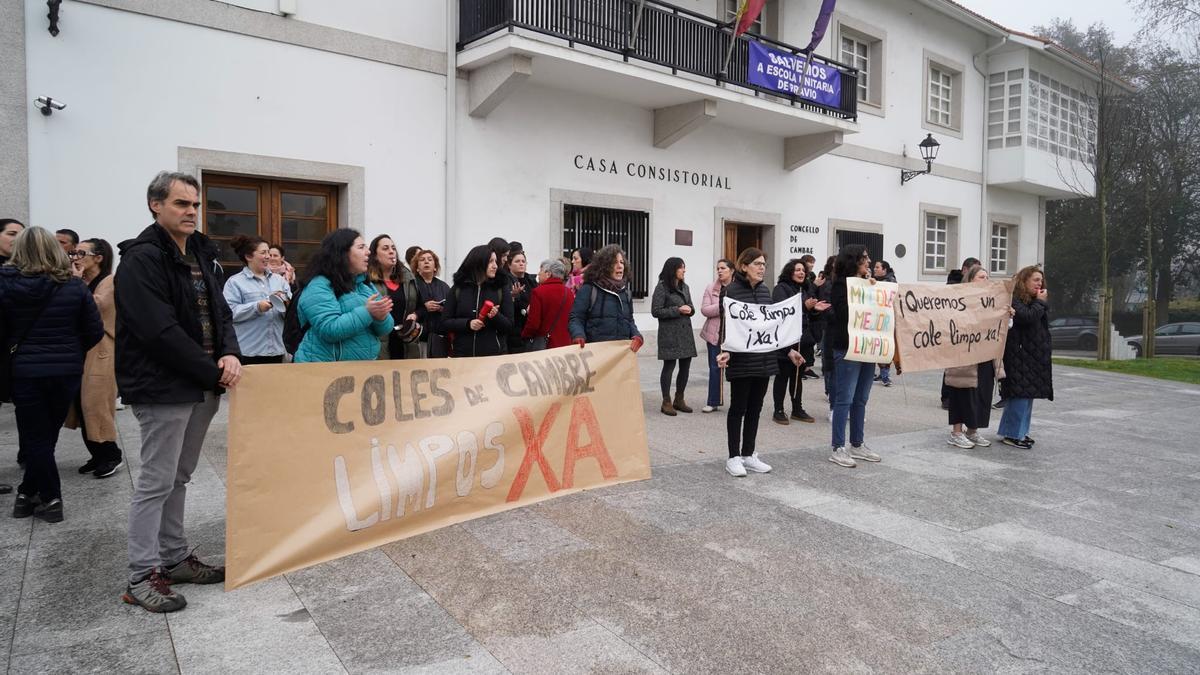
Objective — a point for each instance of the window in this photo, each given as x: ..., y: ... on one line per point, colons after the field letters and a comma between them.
x: 999, y: 264
x: 858, y: 54
x: 937, y: 229
x: 1004, y: 109
x: 943, y: 96
x: 1190, y: 329
x: 596, y: 227
x: 941, y: 93
x: 731, y: 9
x: 296, y: 215
x: 1060, y: 119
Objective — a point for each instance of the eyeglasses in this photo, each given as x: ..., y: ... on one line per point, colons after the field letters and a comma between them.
x: 80, y: 254
x: 758, y: 263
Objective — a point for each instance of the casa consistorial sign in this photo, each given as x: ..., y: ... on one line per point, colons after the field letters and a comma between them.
x: 654, y: 172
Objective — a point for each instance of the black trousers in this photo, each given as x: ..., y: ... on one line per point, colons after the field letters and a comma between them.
x: 101, y: 451
x: 41, y: 408
x: 664, y: 379
x: 745, y: 405
x: 788, y: 384
x: 260, y: 360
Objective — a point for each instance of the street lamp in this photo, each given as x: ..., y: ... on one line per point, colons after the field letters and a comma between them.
x: 929, y: 151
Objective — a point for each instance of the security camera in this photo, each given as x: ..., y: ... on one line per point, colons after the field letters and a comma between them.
x: 48, y: 105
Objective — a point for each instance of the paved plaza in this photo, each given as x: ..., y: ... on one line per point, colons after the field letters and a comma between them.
x: 1082, y: 555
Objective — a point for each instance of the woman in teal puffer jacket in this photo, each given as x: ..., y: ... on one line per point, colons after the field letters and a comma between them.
x: 342, y: 314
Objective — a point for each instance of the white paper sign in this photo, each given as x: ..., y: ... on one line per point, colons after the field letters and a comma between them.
x: 762, y: 328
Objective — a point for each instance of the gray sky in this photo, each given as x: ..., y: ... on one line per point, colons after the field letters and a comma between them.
x: 1023, y: 15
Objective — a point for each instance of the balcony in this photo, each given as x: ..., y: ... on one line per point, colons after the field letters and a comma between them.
x: 652, y: 55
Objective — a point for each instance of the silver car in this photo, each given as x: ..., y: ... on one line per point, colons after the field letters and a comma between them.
x: 1173, y: 338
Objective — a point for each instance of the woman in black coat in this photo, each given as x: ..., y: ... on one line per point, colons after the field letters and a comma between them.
x: 431, y: 293
x: 851, y: 379
x: 1026, y: 357
x: 672, y: 306
x: 748, y: 372
x: 522, y: 287
x: 792, y: 282
x: 49, y: 322
x: 477, y: 282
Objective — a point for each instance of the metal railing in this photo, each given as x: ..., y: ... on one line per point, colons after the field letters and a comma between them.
x: 666, y: 35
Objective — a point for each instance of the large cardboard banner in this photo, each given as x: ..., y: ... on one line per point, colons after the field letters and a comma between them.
x: 872, y: 320
x: 943, y: 326
x: 328, y: 459
x: 762, y: 328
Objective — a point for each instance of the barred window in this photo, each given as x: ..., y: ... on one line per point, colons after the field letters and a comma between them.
x: 595, y: 228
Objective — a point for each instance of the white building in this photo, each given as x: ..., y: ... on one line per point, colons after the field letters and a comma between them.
x: 304, y: 115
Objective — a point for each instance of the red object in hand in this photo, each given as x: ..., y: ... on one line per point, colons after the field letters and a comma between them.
x: 636, y: 343
x: 485, y: 310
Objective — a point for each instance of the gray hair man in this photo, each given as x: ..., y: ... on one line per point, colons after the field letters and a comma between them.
x: 176, y: 353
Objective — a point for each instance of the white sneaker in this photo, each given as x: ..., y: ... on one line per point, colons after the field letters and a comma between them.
x: 842, y: 458
x: 864, y: 453
x: 961, y: 441
x: 753, y: 463
x: 707, y: 408
x: 978, y: 440
x: 830, y: 415
x: 735, y: 468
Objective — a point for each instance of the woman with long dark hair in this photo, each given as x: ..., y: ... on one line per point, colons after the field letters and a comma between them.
x: 971, y: 389
x: 391, y: 278
x: 1026, y: 357
x: 710, y: 332
x: 523, y: 285
x: 50, y: 322
x: 580, y: 259
x: 672, y: 306
x: 479, y: 310
x: 95, y: 409
x: 748, y: 373
x: 258, y: 299
x: 603, y: 308
x: 852, y: 379
x: 789, y: 381
x: 431, y: 300
x: 343, y: 314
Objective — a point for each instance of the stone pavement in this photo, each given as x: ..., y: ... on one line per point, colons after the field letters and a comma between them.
x: 1080, y: 556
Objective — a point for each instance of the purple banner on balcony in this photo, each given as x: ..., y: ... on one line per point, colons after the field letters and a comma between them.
x: 790, y: 74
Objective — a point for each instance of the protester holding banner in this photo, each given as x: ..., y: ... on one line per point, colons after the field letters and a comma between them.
x: 391, y: 279
x: 523, y: 284
x: 344, y: 316
x: 479, y: 310
x: 971, y: 390
x: 431, y: 298
x: 748, y: 373
x: 791, y: 361
x: 603, y: 308
x: 1026, y: 357
x: 852, y: 379
x: 549, y: 308
x: 672, y: 306
x: 710, y: 307
x: 258, y: 299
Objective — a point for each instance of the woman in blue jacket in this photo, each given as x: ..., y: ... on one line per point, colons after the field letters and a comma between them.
x: 49, y: 323
x: 343, y: 316
x: 603, y: 308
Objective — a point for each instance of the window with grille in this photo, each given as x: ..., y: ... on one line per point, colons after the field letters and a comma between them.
x: 858, y: 54
x: 1004, y: 109
x: 941, y: 93
x: 1002, y: 240
x: 1061, y: 119
x: 295, y: 215
x: 595, y: 228
x: 937, y: 236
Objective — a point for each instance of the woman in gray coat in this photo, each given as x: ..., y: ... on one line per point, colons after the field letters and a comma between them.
x: 672, y: 306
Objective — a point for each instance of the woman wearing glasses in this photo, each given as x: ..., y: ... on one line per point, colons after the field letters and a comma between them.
x: 94, y: 411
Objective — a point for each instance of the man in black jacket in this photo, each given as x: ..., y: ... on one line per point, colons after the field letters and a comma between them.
x: 176, y: 351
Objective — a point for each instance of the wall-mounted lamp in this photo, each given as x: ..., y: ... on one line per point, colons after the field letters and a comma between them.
x: 48, y: 105
x: 929, y: 151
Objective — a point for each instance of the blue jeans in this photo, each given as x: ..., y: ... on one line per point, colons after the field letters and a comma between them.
x: 1018, y: 413
x: 851, y: 389
x: 714, y: 376
x: 885, y: 373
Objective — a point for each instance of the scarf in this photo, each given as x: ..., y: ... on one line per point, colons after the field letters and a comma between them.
x: 610, y: 284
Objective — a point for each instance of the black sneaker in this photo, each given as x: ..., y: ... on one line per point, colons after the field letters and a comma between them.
x: 108, y: 468
x: 24, y: 505
x: 52, y: 512
x: 945, y: 404
x: 1017, y: 443
x: 801, y: 416
x: 998, y: 404
x: 1029, y: 440
x: 90, y: 466
x: 780, y: 417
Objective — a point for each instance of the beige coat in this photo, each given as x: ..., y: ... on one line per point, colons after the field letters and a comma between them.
x: 98, y: 390
x: 967, y: 377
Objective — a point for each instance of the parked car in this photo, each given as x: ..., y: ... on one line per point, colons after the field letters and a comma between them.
x: 1074, y: 332
x: 1173, y: 338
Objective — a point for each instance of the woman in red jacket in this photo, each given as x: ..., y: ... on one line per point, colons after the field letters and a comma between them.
x: 549, y: 307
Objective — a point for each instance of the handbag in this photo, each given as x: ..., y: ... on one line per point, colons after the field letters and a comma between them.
x: 7, y: 354
x: 537, y: 344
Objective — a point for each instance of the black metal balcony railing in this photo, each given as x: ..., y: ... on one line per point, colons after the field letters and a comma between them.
x: 666, y: 35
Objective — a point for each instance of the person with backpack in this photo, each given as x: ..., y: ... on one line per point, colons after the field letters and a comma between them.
x: 258, y: 299
x: 479, y: 309
x: 342, y: 316
x: 603, y: 309
x: 50, y: 322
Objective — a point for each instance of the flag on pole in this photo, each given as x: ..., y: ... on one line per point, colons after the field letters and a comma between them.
x: 822, y: 24
x: 747, y: 14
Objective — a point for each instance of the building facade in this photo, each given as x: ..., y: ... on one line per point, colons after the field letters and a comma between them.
x: 551, y: 122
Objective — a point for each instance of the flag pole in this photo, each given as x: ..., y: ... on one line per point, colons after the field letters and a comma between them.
x: 637, y: 24
x: 728, y: 54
